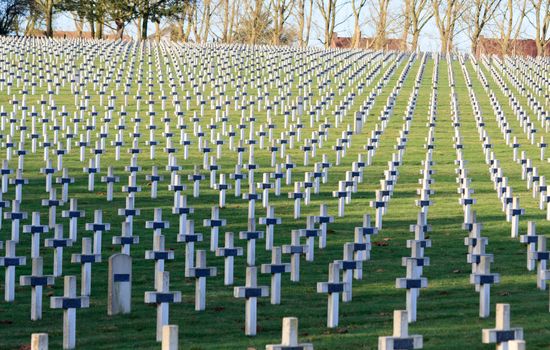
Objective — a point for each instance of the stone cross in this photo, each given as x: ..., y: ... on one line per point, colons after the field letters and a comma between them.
x: 16, y: 215
x: 269, y: 221
x: 310, y: 232
x: 91, y: 170
x: 400, y: 339
x: 323, y: 220
x: 69, y: 302
x: 200, y: 272
x: 541, y: 257
x: 251, y: 235
x: 18, y: 181
x: 129, y: 212
x: 126, y: 239
x: 35, y: 229
x: 119, y: 285
x: 379, y: 205
x: 251, y: 292
x: 238, y: 176
x: 412, y: 283
x: 52, y: 202
x: 48, y: 170
x: 297, y: 196
x: 3, y: 204
x: 196, y: 177
x: 222, y: 186
x: 159, y: 254
x: 295, y: 250
x: 73, y: 214
x: 276, y: 268
x: 39, y: 341
x: 189, y: 238
x: 502, y: 334
x: 181, y: 209
x: 252, y: 197
x: 515, y: 211
x: 98, y: 226
x: 86, y: 259
x: 348, y: 265
x: 214, y: 223
x: 229, y: 252
x: 157, y: 224
x: 110, y: 180
x: 36, y: 281
x: 170, y: 337
x: 484, y: 278
x: 333, y: 288
x: 265, y: 186
x: 154, y: 179
x: 58, y: 243
x: 162, y: 297
x: 289, y: 339
x: 341, y: 194
x: 132, y: 188
x: 530, y: 239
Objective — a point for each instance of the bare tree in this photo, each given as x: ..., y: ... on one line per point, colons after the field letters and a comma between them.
x: 46, y: 7
x: 304, y: 20
x: 406, y: 25
x: 356, y: 7
x: 447, y: 13
x: 478, y: 14
x: 379, y: 16
x: 508, y: 23
x: 417, y: 14
x: 541, y: 23
x: 328, y: 11
x: 281, y: 12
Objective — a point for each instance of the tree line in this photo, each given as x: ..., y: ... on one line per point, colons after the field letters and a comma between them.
x: 279, y: 22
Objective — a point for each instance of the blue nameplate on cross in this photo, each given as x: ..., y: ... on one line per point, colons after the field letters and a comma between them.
x: 121, y: 277
x: 71, y: 303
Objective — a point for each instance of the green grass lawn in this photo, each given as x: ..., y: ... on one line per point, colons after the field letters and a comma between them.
x: 447, y: 309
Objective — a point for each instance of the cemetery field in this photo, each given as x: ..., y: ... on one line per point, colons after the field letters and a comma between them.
x: 448, y: 309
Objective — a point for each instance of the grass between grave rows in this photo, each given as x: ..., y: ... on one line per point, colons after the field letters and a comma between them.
x: 447, y: 310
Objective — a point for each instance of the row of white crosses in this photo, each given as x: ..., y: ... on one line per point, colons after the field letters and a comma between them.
x: 413, y: 280
x: 480, y: 260
x: 537, y: 252
x: 534, y: 181
x: 98, y: 152
x: 383, y: 196
x: 359, y: 250
x: 481, y: 275
x: 522, y: 79
x: 170, y: 338
x: 529, y: 127
x: 110, y: 179
x: 130, y: 189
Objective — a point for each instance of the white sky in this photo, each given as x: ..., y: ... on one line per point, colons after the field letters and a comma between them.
x: 429, y: 39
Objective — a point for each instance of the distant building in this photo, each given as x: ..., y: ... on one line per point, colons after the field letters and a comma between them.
x: 75, y: 35
x: 519, y: 47
x: 364, y: 43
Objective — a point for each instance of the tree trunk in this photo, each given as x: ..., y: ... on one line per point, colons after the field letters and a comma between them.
x: 92, y: 29
x: 356, y: 33
x: 225, y: 30
x: 406, y: 26
x: 157, y: 31
x: 119, y: 29
x: 144, y: 26
x: 49, y: 19
x: 308, y: 23
x: 414, y: 43
x: 99, y: 29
